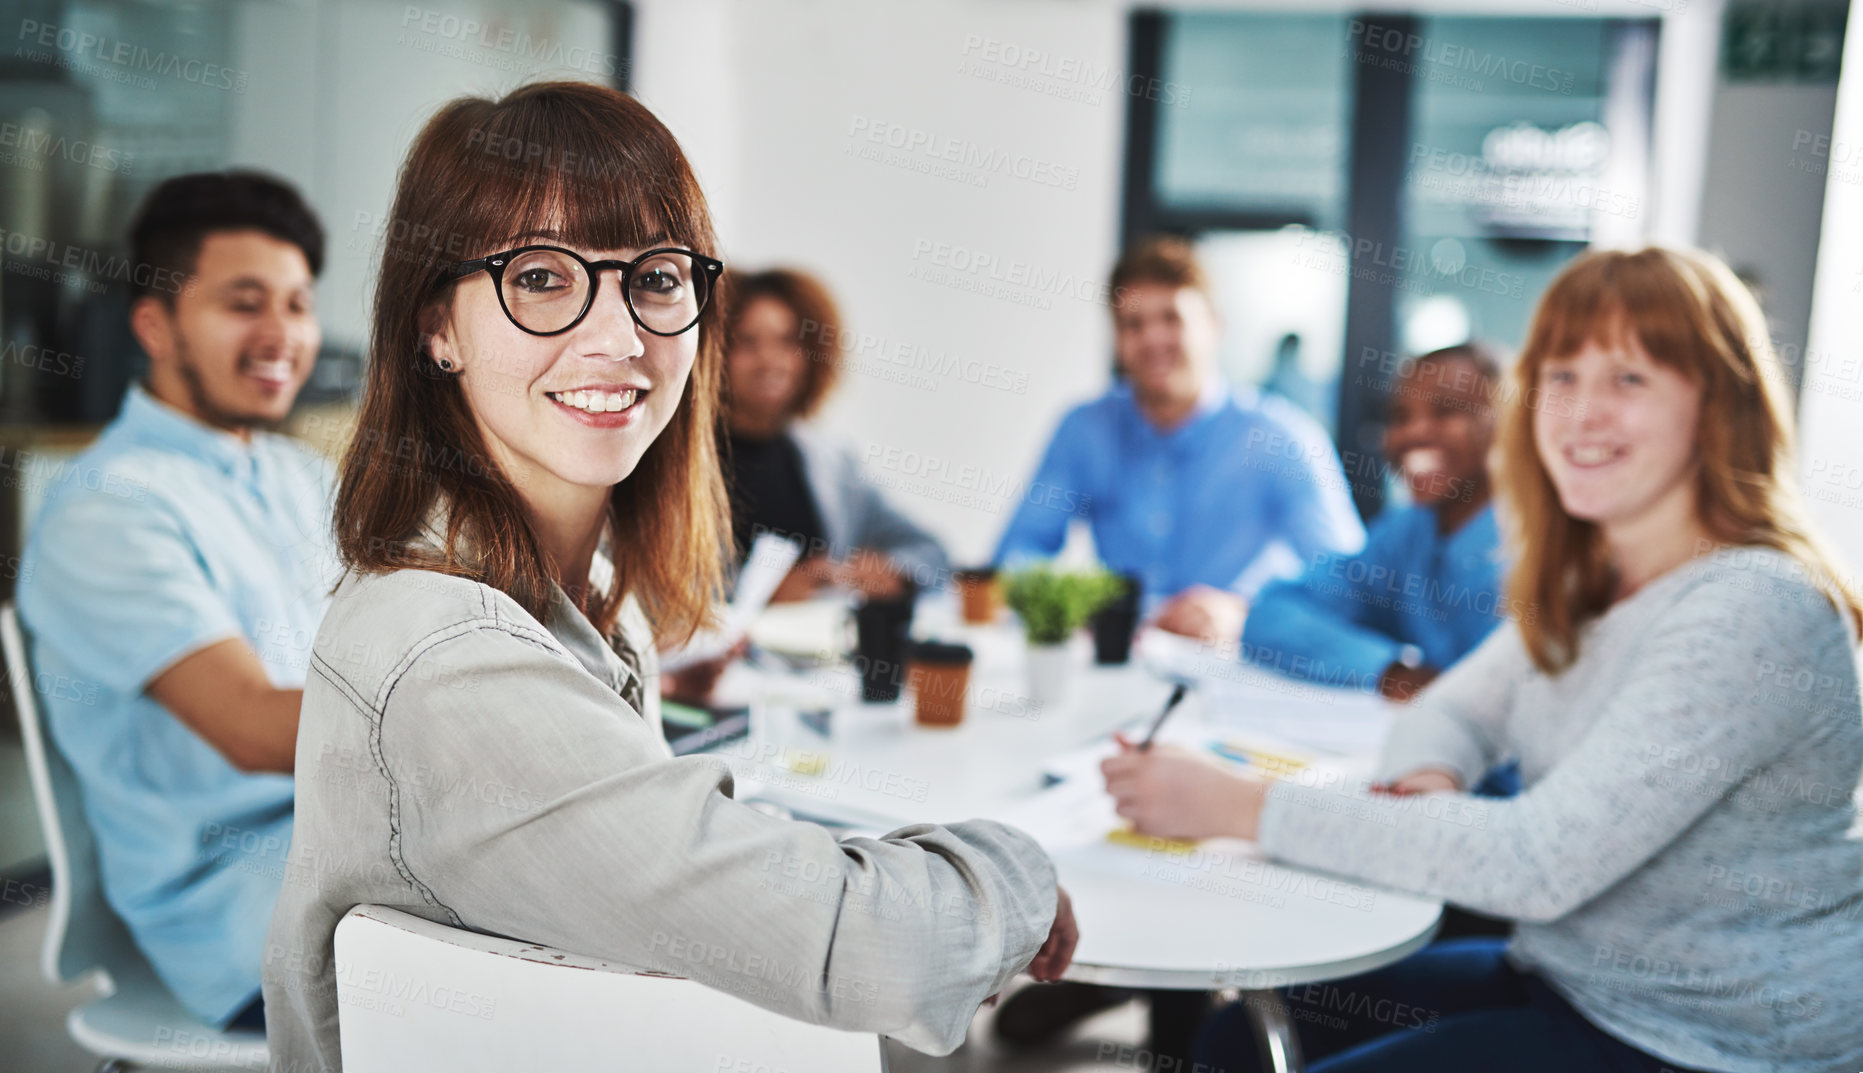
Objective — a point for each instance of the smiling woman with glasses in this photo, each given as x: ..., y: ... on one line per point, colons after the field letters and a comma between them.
x: 532, y: 499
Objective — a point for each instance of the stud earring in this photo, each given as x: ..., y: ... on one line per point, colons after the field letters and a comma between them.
x: 446, y: 365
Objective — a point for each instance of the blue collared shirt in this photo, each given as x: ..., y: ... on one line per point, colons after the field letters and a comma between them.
x: 1248, y: 488
x: 166, y: 536
x: 1351, y: 616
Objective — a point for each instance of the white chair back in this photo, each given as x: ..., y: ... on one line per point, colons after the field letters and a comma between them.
x: 413, y: 994
x: 137, y: 1020
x: 84, y: 933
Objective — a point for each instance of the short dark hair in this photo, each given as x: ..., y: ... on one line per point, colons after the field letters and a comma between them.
x: 178, y: 215
x: 1485, y: 357
x: 1483, y: 360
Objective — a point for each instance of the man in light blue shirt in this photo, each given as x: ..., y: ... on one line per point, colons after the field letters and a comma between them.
x: 175, y: 577
x: 1427, y: 587
x: 1202, y: 490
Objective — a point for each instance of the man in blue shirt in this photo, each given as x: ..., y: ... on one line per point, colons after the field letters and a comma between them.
x: 1426, y: 588
x: 175, y: 577
x: 1202, y: 490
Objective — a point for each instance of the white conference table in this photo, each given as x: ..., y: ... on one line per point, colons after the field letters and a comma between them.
x: 1217, y: 916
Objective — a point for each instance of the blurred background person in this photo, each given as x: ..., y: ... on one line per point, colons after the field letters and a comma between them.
x: 179, y: 571
x: 1426, y: 588
x: 1201, y: 489
x: 1287, y: 379
x: 789, y: 477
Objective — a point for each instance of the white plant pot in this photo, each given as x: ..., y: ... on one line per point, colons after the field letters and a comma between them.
x: 1051, y: 671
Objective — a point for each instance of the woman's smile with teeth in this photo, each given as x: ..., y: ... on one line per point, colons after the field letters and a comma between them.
x: 597, y: 402
x: 1591, y: 455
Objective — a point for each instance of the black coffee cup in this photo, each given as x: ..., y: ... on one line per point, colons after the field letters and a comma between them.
x: 881, y: 628
x: 1114, y: 624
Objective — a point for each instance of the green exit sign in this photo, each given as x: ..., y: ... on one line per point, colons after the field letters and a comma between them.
x: 1790, y: 41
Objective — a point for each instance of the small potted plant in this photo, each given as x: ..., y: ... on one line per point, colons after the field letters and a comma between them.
x: 1052, y: 605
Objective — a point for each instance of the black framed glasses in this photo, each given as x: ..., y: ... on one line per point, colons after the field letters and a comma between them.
x: 547, y: 290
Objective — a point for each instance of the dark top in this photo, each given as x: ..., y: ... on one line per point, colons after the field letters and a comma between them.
x: 770, y: 492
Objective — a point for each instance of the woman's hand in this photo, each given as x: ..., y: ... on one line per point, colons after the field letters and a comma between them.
x: 871, y: 573
x: 804, y: 580
x: 1402, y: 684
x: 1173, y: 792
x: 1057, y: 953
x: 694, y: 684
x: 866, y: 571
x: 1431, y: 780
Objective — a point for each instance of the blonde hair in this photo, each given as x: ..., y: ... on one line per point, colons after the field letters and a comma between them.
x: 1688, y: 312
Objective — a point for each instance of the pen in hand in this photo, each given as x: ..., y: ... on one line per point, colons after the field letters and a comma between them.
x: 1177, y: 695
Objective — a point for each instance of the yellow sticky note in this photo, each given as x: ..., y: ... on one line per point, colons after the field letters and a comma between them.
x: 1126, y: 836
x: 803, y: 763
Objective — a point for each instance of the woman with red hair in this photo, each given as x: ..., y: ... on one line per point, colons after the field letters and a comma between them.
x: 1679, y: 687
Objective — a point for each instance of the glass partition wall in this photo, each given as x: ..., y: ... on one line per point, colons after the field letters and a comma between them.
x: 1367, y: 187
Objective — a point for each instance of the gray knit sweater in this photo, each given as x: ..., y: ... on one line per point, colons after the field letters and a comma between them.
x: 1680, y: 861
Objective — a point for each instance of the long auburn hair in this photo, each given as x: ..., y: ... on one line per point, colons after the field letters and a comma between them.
x: 1689, y: 312
x: 597, y: 164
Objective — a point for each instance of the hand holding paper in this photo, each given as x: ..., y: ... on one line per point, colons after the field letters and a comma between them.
x: 769, y: 561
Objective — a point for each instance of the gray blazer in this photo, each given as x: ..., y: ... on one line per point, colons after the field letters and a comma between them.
x: 459, y: 760
x: 855, y: 514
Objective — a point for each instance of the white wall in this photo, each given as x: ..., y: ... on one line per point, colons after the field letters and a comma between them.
x: 1831, y: 404
x: 1764, y: 196
x: 774, y: 101
x: 341, y: 87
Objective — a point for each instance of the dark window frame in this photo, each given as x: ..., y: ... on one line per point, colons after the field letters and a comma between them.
x: 1380, y: 126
